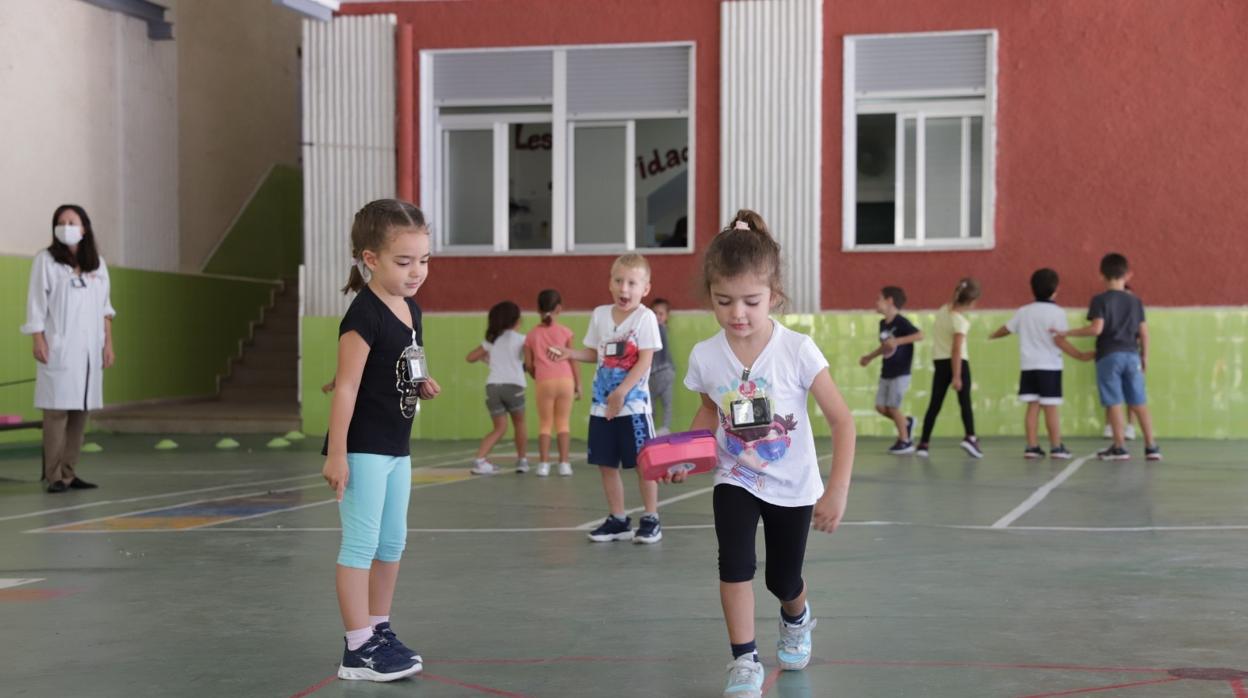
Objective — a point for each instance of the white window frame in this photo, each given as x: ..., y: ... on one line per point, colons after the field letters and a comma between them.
x: 433, y: 126
x: 919, y: 105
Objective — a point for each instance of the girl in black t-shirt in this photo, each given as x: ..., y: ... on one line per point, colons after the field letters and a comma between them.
x: 380, y: 377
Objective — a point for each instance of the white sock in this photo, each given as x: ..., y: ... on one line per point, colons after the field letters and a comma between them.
x: 374, y: 621
x: 357, y: 638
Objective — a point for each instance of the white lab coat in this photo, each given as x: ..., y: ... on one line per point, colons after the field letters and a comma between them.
x: 70, y: 313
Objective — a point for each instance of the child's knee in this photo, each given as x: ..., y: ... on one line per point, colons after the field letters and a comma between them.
x: 784, y: 586
x: 358, y: 549
x: 390, y: 548
x: 883, y: 410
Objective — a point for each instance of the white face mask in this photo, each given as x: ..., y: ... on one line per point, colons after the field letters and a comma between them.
x: 68, y: 234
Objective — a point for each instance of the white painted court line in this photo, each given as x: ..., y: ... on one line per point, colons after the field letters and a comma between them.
x: 1039, y: 495
x: 10, y: 583
x: 589, y: 525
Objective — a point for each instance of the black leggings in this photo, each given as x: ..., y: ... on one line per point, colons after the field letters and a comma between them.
x: 941, y: 381
x: 784, y: 529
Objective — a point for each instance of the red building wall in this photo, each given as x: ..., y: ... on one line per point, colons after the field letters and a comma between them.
x: 1121, y: 127
x: 482, y: 281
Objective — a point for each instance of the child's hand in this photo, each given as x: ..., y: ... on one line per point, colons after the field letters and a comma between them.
x: 889, y: 344
x: 329, y: 387
x: 866, y: 359
x: 615, y: 403
x: 555, y: 354
x: 957, y: 384
x: 829, y: 510
x: 336, y: 474
x: 1143, y: 364
x: 675, y: 478
x: 429, y: 389
x: 1087, y: 356
x: 576, y: 393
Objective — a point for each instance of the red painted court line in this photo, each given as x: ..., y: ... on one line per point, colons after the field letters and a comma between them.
x: 315, y: 687
x: 473, y: 686
x: 987, y: 665
x: 770, y: 681
x: 1080, y: 691
x: 1238, y: 687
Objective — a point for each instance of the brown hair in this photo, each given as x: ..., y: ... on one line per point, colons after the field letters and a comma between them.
x: 744, y: 245
x: 547, y: 301
x: 371, y: 231
x: 967, y: 291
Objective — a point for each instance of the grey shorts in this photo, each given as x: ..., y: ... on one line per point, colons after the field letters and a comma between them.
x: 501, y: 398
x: 892, y: 390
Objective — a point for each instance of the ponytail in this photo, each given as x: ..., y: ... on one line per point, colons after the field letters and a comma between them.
x: 967, y: 290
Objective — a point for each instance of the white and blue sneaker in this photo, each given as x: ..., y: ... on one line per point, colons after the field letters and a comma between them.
x: 376, y: 660
x: 612, y: 529
x: 649, y: 530
x: 793, y: 648
x: 745, y: 678
x: 384, y: 630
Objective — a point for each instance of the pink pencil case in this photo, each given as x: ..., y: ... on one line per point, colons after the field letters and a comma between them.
x: 690, y: 451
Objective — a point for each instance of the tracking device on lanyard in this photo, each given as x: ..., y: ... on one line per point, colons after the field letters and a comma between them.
x: 614, y: 349
x: 417, y: 366
x: 749, y: 411
x: 77, y: 282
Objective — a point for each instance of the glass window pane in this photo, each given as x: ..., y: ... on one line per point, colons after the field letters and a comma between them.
x: 876, y: 179
x: 943, y: 172
x: 910, y: 183
x: 469, y: 180
x: 977, y: 178
x: 598, y: 171
x: 529, y: 187
x: 661, y: 182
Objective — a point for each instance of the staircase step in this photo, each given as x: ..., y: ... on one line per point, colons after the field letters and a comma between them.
x: 260, y: 376
x: 285, y: 342
x: 267, y: 359
x: 279, y: 323
x: 258, y: 394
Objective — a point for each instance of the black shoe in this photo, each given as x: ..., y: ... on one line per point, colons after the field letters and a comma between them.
x: 1152, y: 452
x: 612, y: 529
x: 1113, y: 453
x: 1060, y: 452
x: 57, y: 487
x: 649, y: 530
x: 971, y: 445
x: 1032, y: 452
x: 80, y: 484
x: 901, y: 448
x: 384, y: 630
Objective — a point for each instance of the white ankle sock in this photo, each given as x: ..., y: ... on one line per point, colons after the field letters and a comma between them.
x: 374, y: 621
x: 357, y: 638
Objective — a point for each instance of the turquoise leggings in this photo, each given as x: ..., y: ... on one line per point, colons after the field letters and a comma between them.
x: 374, y: 509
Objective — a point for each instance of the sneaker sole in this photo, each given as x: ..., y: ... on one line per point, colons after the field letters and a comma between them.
x: 747, y: 693
x: 366, y: 674
x: 921, y: 453
x: 1124, y: 457
x: 1152, y: 457
x: 612, y: 537
x: 649, y: 539
x: 975, y: 453
x: 902, y: 452
x: 565, y: 474
x: 798, y: 666
x: 1033, y: 456
x: 1060, y: 456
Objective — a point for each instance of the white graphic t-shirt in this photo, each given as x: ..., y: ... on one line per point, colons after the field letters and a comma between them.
x: 771, y: 452
x: 619, y: 348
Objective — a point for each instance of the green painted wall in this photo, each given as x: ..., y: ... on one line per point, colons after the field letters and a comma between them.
x: 173, y: 335
x: 266, y: 241
x: 1196, y: 378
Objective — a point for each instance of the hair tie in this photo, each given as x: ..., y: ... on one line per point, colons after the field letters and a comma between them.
x: 741, y: 225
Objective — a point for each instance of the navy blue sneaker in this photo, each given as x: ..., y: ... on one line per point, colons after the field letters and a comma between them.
x: 383, y: 629
x: 649, y: 530
x: 375, y: 660
x: 612, y: 529
x: 901, y: 448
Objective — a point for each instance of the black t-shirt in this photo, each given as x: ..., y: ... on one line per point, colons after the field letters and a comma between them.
x: 378, y: 425
x: 1122, y: 314
x: 899, y: 363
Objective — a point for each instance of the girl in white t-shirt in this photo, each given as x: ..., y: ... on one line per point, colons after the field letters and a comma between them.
x: 754, y: 377
x: 503, y: 350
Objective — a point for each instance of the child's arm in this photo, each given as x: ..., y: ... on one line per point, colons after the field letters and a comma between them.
x: 528, y: 362
x: 1002, y: 331
x: 586, y: 355
x: 1143, y: 333
x: 1073, y: 351
x: 641, y: 369
x: 866, y: 358
x: 477, y: 354
x: 902, y: 341
x: 1092, y: 329
x: 831, y: 506
x: 955, y: 360
x: 576, y: 375
x: 352, y: 353
x: 707, y: 417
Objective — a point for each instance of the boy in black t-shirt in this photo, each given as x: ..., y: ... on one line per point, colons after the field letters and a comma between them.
x: 897, y: 338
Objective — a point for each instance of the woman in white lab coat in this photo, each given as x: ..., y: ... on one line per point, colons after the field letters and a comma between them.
x: 69, y: 315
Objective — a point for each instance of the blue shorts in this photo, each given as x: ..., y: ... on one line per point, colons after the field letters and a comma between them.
x: 374, y: 509
x: 1120, y: 378
x: 616, y: 443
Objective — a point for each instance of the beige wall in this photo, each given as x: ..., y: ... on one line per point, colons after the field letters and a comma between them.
x: 87, y: 115
x: 238, y: 105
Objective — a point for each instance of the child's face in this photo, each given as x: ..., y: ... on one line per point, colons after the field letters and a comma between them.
x: 660, y: 312
x: 403, y: 265
x: 628, y: 286
x: 884, y: 305
x: 742, y: 304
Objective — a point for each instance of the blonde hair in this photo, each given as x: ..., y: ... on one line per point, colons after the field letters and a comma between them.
x: 632, y: 260
x: 743, y: 246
